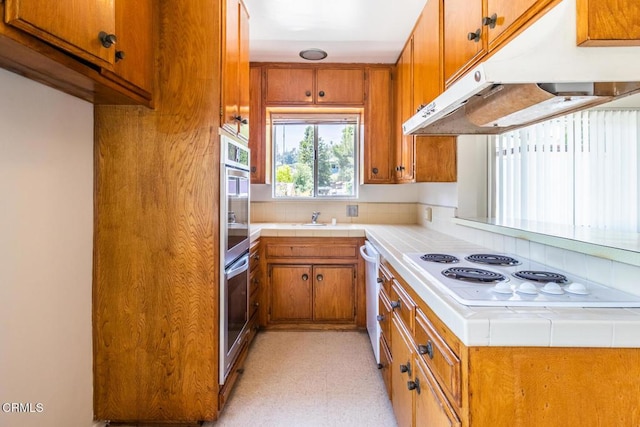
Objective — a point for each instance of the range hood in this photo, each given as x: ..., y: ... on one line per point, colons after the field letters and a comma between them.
x: 540, y: 74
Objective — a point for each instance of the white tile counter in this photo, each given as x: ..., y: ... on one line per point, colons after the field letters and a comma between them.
x: 479, y: 326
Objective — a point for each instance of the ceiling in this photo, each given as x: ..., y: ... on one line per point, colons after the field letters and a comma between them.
x: 369, y: 31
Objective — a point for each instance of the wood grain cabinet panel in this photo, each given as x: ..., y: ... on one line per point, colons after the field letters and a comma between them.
x: 504, y: 17
x: 608, y: 22
x: 378, y: 131
x: 401, y: 373
x: 404, y: 169
x: 427, y: 75
x: 334, y: 293
x: 464, y: 38
x: 290, y: 292
x: 431, y: 405
x: 342, y: 86
x: 72, y: 25
x: 289, y: 86
x: 436, y: 158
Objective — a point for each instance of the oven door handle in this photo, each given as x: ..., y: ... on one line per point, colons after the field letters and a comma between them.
x: 238, y: 267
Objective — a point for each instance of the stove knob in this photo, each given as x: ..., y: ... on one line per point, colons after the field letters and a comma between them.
x: 527, y: 288
x: 577, y: 288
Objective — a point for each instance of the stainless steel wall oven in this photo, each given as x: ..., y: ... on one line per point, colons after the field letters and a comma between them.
x: 234, y: 248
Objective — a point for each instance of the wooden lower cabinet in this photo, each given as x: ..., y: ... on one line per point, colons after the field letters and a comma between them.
x: 499, y: 386
x: 431, y: 406
x: 401, y: 373
x: 314, y: 282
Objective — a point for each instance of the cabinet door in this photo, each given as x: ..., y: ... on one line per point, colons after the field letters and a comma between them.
x: 385, y: 365
x: 334, y: 293
x: 72, y: 25
x: 257, y: 130
x: 378, y: 134
x: 464, y: 36
x: 404, y: 104
x: 134, y: 49
x: 290, y: 293
x: 289, y: 86
x: 401, y: 374
x: 436, y: 158
x: 432, y: 407
x: 230, y: 66
x: 340, y: 86
x: 608, y: 22
x: 243, y: 73
x: 509, y: 16
x: 427, y: 78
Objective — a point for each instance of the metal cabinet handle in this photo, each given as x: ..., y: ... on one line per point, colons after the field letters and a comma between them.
x: 107, y: 40
x: 120, y: 55
x: 379, y: 280
x: 406, y: 368
x: 305, y: 277
x: 380, y: 317
x: 395, y: 304
x: 240, y: 119
x: 474, y: 37
x: 426, y: 349
x: 307, y: 93
x: 414, y: 385
x: 375, y: 171
x: 321, y: 93
x: 319, y: 277
x: 490, y: 21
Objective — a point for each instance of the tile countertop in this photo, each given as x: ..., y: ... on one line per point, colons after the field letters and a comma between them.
x: 480, y: 326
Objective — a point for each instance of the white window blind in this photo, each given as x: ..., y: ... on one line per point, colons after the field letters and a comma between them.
x: 580, y: 169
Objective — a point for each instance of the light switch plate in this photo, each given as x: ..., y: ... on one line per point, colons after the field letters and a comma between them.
x: 352, y: 210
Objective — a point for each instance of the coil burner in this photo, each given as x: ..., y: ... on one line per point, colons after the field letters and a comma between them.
x: 441, y: 258
x: 541, y: 276
x: 474, y: 275
x: 492, y: 259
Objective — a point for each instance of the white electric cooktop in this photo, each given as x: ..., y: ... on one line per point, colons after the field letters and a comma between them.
x: 489, y: 279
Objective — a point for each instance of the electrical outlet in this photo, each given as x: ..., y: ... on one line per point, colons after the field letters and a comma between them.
x: 352, y: 210
x: 428, y: 214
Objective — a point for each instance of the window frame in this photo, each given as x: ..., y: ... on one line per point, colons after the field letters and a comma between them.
x: 317, y: 117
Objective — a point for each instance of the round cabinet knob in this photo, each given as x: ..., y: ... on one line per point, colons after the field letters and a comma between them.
x: 321, y: 93
x: 406, y: 368
x: 256, y: 304
x: 380, y: 366
x: 305, y: 277
x: 375, y: 171
x: 395, y: 304
x: 107, y: 40
x: 426, y: 349
x: 414, y: 385
x: 307, y: 93
x: 379, y: 280
x: 319, y: 277
x: 253, y: 169
x: 490, y: 21
x: 474, y: 37
x: 380, y: 317
x: 119, y: 55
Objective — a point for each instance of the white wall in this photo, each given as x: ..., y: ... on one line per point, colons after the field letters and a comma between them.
x: 46, y: 223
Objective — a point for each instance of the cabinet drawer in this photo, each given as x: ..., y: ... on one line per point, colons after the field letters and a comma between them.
x: 311, y: 251
x: 440, y: 359
x: 384, y: 316
x: 254, y: 259
x: 254, y: 303
x: 386, y: 277
x: 402, y: 305
x: 254, y: 282
x: 385, y: 364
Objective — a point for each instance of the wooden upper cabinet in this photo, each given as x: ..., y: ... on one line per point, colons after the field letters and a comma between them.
x: 289, y: 85
x: 257, y: 130
x: 427, y: 75
x: 133, y: 54
x: 340, y: 86
x: 608, y: 22
x: 314, y: 86
x: 75, y: 26
x: 436, y: 158
x: 505, y: 17
x: 378, y: 130
x: 464, y: 38
x: 404, y: 110
x: 235, y: 69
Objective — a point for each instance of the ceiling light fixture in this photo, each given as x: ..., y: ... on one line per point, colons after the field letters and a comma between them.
x: 313, y: 54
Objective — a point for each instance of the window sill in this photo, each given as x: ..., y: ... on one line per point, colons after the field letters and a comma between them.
x: 621, y: 247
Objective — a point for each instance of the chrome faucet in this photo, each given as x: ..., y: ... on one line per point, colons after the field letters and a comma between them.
x: 314, y: 217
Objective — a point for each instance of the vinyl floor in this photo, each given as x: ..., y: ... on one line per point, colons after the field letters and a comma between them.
x: 309, y: 379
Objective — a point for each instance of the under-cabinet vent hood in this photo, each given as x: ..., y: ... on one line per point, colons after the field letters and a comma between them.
x: 538, y: 75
